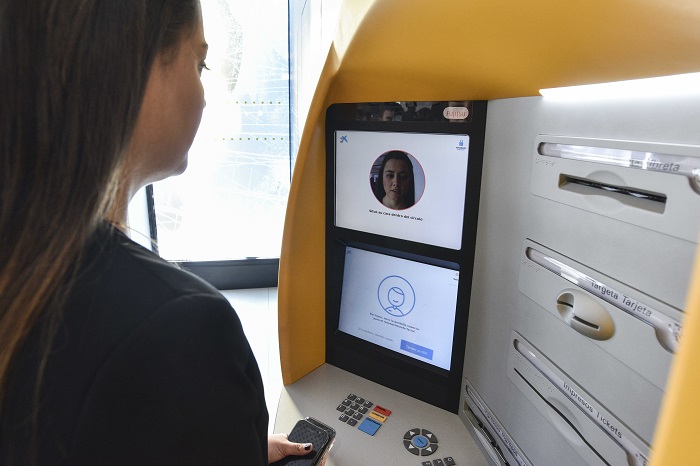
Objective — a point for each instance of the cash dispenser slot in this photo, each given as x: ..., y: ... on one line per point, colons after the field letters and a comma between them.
x: 596, y: 434
x: 651, y: 185
x: 484, y: 422
x: 486, y: 439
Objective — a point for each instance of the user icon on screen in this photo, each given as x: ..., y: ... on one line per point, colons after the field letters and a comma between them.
x: 396, y: 296
x: 394, y: 178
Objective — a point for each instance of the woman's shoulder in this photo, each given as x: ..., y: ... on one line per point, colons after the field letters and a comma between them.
x: 117, y: 255
x: 121, y: 285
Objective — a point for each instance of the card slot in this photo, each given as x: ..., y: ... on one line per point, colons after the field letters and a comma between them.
x: 633, y: 197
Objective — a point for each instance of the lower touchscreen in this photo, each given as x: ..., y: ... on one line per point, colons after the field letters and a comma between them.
x: 402, y: 305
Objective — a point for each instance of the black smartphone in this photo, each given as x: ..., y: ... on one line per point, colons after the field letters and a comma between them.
x: 312, y: 431
x: 329, y: 429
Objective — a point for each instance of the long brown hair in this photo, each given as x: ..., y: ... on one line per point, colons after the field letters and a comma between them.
x: 71, y: 86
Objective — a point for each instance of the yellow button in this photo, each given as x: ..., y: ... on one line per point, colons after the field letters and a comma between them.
x: 376, y: 416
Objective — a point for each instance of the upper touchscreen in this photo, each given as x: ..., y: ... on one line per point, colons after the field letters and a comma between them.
x: 409, y: 186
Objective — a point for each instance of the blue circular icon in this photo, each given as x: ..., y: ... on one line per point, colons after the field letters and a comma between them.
x: 420, y: 441
x: 396, y: 296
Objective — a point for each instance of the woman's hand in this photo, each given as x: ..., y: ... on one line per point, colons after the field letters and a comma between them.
x: 278, y: 446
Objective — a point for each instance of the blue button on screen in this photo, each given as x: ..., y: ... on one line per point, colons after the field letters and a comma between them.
x: 418, y: 350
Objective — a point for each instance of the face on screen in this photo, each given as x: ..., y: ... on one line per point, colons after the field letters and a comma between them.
x: 397, y: 179
x: 416, y: 190
x: 394, y: 182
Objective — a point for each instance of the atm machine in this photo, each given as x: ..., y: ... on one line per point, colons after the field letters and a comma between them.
x: 528, y: 303
x: 398, y: 283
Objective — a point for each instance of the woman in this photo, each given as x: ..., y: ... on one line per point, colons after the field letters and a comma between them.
x: 396, y: 187
x: 109, y: 355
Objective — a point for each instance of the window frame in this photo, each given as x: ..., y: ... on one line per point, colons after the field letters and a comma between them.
x: 224, y: 274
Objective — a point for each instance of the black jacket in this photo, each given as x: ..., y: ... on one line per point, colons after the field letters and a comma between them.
x: 149, y: 366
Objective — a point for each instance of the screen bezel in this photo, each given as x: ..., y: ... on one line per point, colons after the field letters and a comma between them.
x: 407, y: 375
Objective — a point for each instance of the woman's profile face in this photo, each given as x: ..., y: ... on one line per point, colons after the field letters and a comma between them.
x: 397, y: 182
x: 171, y: 110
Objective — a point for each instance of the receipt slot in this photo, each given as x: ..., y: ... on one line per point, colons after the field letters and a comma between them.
x: 585, y: 315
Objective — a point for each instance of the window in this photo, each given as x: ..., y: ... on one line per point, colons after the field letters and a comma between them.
x: 231, y: 201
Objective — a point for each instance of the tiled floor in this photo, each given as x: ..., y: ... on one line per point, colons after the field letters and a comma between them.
x: 257, y: 310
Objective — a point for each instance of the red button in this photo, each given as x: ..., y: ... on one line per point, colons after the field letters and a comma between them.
x: 381, y: 410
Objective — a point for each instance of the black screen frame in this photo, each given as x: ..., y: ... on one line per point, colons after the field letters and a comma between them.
x: 420, y: 380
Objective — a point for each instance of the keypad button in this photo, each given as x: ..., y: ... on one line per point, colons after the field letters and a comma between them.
x: 426, y: 463
x: 357, y: 416
x: 367, y: 404
x: 411, y: 447
x: 411, y: 433
x: 369, y: 426
x: 343, y: 417
x: 346, y: 402
x: 360, y: 400
x: 363, y: 410
x: 352, y: 422
x: 438, y: 462
x: 340, y: 408
x: 429, y: 450
x: 420, y: 441
x: 354, y: 406
x: 349, y: 412
x: 430, y: 436
x: 449, y: 461
x: 352, y: 397
x: 382, y: 410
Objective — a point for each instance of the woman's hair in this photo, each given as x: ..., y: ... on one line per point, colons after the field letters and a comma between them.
x: 73, y: 78
x: 396, y: 155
